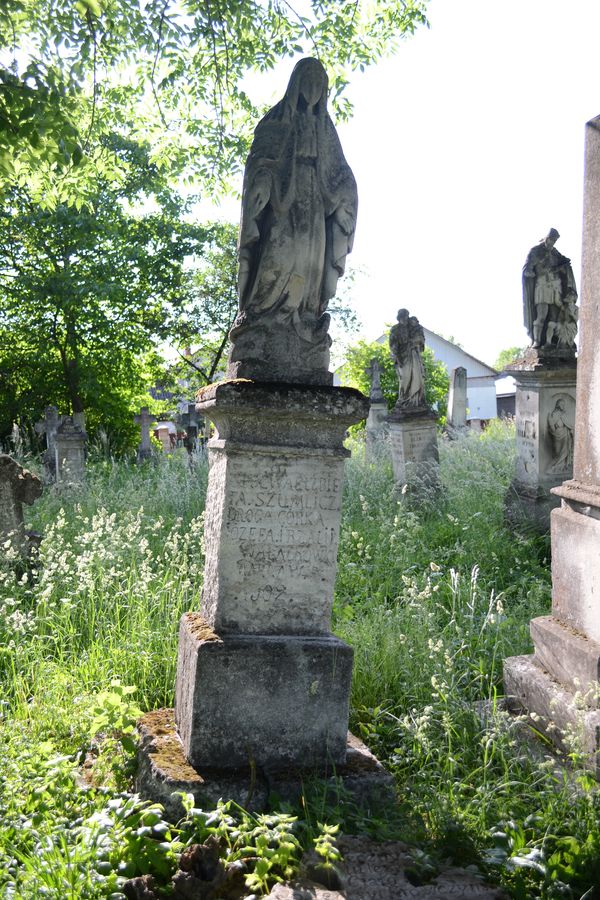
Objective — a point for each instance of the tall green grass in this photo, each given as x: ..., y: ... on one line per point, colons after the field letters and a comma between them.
x: 432, y: 595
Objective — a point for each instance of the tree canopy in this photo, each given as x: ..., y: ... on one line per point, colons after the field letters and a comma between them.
x: 170, y: 72
x: 87, y: 296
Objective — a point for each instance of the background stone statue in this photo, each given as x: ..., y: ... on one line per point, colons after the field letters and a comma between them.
x: 549, y: 296
x: 407, y: 343
x: 374, y: 372
x: 299, y: 206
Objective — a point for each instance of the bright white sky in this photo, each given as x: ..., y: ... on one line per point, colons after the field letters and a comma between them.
x: 467, y: 147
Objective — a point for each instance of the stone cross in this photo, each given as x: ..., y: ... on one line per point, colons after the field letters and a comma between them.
x: 47, y: 427
x: 559, y: 684
x: 17, y: 486
x: 190, y: 423
x: 144, y: 420
x: 457, y: 398
x: 69, y: 448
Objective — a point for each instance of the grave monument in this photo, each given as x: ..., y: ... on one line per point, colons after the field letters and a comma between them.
x: 559, y: 684
x: 377, y: 427
x: 189, y: 421
x: 17, y: 486
x: 144, y: 419
x: 413, y: 436
x: 47, y: 427
x: 262, y: 684
x: 545, y: 385
x: 69, y: 451
x: 457, y: 401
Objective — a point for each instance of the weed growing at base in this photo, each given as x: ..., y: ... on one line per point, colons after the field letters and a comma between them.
x: 431, y: 597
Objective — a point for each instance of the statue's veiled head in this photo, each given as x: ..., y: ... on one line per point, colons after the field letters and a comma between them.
x: 308, y: 85
x: 402, y: 316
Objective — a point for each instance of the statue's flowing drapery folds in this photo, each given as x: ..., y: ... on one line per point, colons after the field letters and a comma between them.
x: 299, y: 207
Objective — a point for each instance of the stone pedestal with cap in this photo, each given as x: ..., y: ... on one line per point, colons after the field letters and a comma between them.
x: 558, y: 686
x: 545, y: 422
x: 69, y: 450
x: 377, y: 431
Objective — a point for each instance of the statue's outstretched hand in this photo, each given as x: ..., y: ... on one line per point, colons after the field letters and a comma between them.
x: 345, y: 219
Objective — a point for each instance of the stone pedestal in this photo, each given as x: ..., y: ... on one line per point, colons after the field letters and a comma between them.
x: 69, y: 449
x: 413, y: 440
x: 559, y: 684
x: 259, y: 675
x: 545, y: 422
x: 377, y: 430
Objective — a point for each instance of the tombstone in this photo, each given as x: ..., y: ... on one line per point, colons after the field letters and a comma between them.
x: 262, y: 683
x: 163, y: 434
x: 377, y: 427
x: 559, y: 685
x: 48, y: 427
x: 144, y: 419
x: 413, y: 436
x: 69, y: 450
x: 456, y: 419
x: 17, y: 486
x: 545, y: 386
x: 189, y: 421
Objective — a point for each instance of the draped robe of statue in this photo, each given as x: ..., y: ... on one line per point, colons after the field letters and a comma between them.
x: 299, y: 207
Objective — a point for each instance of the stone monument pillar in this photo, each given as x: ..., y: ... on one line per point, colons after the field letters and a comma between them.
x: 377, y: 427
x: 457, y: 401
x: 545, y: 379
x: 261, y: 681
x: 560, y: 682
x: 144, y: 420
x: 69, y: 449
x: 17, y: 486
x: 413, y: 436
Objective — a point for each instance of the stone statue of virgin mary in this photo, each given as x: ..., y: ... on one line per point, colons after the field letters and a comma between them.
x: 299, y: 205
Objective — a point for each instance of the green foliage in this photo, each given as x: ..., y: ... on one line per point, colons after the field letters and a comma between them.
x: 356, y: 373
x: 171, y: 75
x: 431, y: 597
x: 85, y: 294
x: 506, y: 357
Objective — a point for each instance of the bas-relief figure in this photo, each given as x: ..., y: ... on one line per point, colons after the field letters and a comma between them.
x: 549, y: 296
x: 299, y: 205
x: 407, y: 343
x: 560, y: 430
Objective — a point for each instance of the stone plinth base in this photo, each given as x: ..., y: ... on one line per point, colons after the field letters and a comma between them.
x: 413, y: 439
x: 273, y: 504
x: 164, y: 770
x: 526, y: 507
x: 545, y: 421
x: 270, y: 700
x: 552, y: 709
x: 376, y: 431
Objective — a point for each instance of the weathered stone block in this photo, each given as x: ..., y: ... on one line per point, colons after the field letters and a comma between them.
x: 414, y: 448
x: 273, y: 700
x: 576, y: 570
x: 569, y: 657
x: 556, y: 713
x: 273, y: 505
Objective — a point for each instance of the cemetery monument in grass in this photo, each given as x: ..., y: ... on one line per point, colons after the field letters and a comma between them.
x: 263, y: 686
x: 456, y: 418
x: 144, y: 419
x: 545, y: 384
x: 377, y: 427
x: 412, y: 422
x: 17, y: 486
x: 559, y: 684
x: 69, y: 452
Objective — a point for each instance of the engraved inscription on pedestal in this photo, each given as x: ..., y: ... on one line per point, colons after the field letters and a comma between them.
x: 275, y: 523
